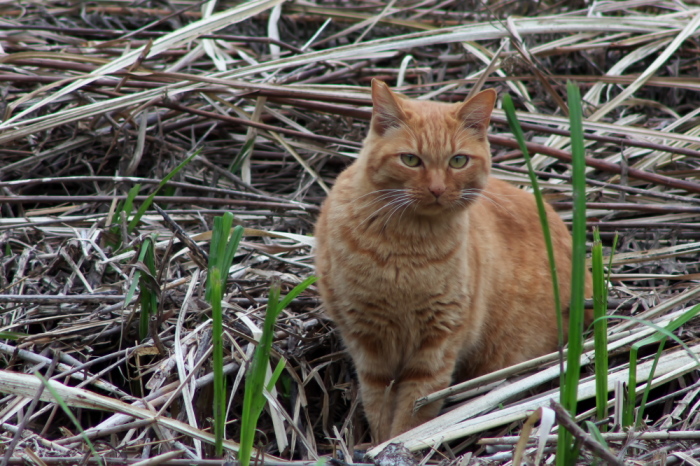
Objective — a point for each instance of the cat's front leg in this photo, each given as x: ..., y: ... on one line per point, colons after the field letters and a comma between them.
x: 428, y: 371
x: 376, y: 367
x: 378, y: 399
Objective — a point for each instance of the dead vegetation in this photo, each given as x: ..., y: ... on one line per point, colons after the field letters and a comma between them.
x: 98, y: 97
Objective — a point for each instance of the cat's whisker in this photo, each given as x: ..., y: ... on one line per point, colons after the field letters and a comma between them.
x: 392, y: 193
x: 375, y: 192
x: 492, y: 198
x: 411, y: 202
x: 459, y: 204
x: 401, y: 205
x: 390, y: 199
x: 372, y: 215
x: 398, y: 198
x: 473, y: 194
x: 382, y: 198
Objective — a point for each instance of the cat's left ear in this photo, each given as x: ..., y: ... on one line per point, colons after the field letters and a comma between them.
x: 386, y: 110
x: 476, y: 112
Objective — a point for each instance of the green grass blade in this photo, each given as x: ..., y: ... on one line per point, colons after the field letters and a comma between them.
x: 146, y: 299
x: 578, y: 272
x: 569, y: 383
x: 600, y: 328
x: 630, y: 402
x: 148, y: 288
x: 223, y: 249
x: 665, y: 332
x: 125, y: 206
x: 661, y: 334
x: 242, y: 155
x: 5, y: 335
x: 647, y: 389
x: 70, y: 415
x: 231, y: 247
x: 217, y: 249
x: 149, y: 200
x: 216, y: 292
x: 514, y: 124
x: 135, y: 281
x: 132, y: 288
x: 258, y: 369
x: 296, y: 291
x: 255, y: 380
x: 128, y: 203
x: 253, y: 398
x: 276, y: 374
x: 595, y: 433
x: 610, y: 259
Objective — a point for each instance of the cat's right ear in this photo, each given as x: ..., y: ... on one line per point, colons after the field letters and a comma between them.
x: 475, y: 113
x: 386, y: 110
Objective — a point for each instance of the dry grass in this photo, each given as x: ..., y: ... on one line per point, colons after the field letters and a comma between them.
x: 102, y: 95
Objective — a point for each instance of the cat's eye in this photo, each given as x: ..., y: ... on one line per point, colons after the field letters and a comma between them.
x: 410, y: 160
x: 459, y: 161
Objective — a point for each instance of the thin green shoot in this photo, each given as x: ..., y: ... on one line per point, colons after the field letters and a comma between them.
x: 6, y: 335
x: 246, y: 151
x: 610, y: 259
x: 569, y: 385
x: 660, y: 335
x: 148, y: 286
x: 71, y: 416
x: 128, y: 205
x: 169, y: 191
x: 149, y: 200
x: 569, y: 393
x: 254, y: 397
x: 222, y: 250
x: 597, y: 436
x: 600, y: 328
x: 219, y: 407
x: 514, y: 124
x: 647, y: 389
x: 242, y: 155
x: 125, y: 206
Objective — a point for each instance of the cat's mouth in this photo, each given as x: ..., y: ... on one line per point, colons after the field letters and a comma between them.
x: 435, y: 206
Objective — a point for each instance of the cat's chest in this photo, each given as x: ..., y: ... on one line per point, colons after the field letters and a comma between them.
x: 398, y: 294
x: 408, y: 268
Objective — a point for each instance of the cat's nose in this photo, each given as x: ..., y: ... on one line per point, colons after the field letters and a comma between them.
x: 437, y: 190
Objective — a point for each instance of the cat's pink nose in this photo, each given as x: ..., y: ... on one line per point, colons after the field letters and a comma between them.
x: 437, y: 190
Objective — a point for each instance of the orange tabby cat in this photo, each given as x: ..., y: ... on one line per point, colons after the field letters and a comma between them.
x: 430, y: 267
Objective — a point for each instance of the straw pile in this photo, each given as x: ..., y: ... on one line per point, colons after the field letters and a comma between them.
x: 98, y: 97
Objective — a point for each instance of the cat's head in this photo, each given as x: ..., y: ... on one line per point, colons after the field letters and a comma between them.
x: 432, y: 155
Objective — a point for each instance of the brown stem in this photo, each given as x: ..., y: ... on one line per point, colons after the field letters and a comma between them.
x: 601, y: 165
x: 164, y: 199
x: 565, y: 421
x: 597, y: 137
x: 255, y: 124
x: 612, y: 186
x: 654, y: 208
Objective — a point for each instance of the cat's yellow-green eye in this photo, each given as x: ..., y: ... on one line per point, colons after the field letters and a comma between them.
x: 459, y: 161
x: 410, y: 160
